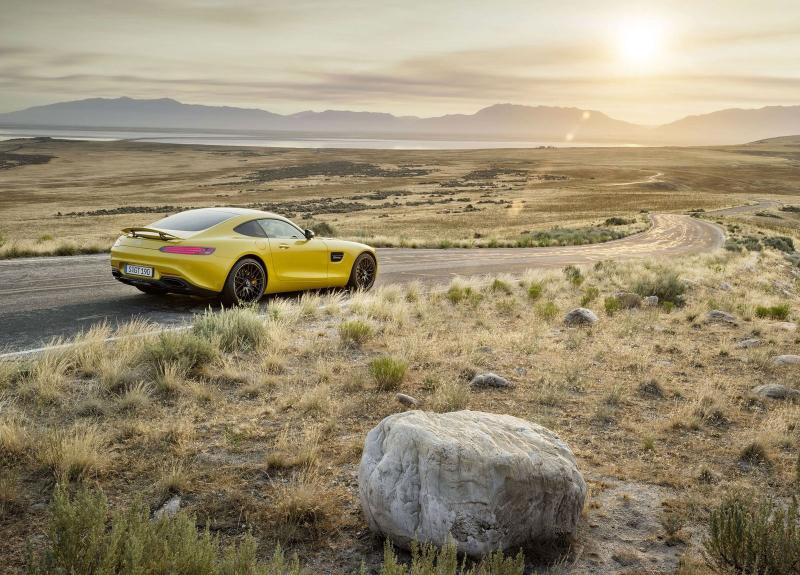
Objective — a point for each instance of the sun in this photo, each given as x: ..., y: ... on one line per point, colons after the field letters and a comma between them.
x: 640, y: 42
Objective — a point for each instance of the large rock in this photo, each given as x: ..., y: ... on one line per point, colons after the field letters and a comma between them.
x: 490, y: 380
x: 491, y: 481
x: 786, y: 360
x: 580, y: 316
x: 628, y: 300
x: 776, y: 391
x: 719, y: 316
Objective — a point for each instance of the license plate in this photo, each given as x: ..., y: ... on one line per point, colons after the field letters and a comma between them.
x: 139, y: 270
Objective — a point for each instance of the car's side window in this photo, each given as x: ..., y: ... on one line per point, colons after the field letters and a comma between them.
x: 280, y: 229
x: 251, y: 229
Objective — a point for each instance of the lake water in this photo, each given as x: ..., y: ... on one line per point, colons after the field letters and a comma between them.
x: 278, y: 140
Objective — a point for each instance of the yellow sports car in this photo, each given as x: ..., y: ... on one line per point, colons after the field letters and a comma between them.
x: 238, y: 255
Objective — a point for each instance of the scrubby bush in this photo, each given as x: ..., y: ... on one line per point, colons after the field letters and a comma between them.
x: 573, y: 275
x: 457, y: 294
x: 547, y: 310
x: 612, y: 305
x: 733, y: 246
x: 590, y: 294
x: 617, y: 221
x: 431, y: 560
x: 500, y: 286
x: 177, y: 348
x: 754, y: 537
x: 323, y: 229
x: 85, y: 536
x: 236, y: 329
x: 779, y: 312
x: 354, y: 332
x: 535, y: 290
x: 388, y: 372
x: 781, y: 243
x: 664, y: 284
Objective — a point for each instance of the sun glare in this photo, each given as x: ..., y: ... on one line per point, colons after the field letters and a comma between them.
x: 640, y: 42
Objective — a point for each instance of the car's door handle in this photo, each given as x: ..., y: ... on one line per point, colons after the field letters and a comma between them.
x: 283, y: 246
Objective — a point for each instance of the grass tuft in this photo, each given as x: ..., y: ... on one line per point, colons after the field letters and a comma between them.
x: 388, y: 372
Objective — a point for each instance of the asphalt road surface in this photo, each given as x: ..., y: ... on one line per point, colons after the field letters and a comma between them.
x: 51, y: 297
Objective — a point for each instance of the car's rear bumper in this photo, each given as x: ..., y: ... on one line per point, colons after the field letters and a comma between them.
x: 174, y: 272
x: 166, y: 283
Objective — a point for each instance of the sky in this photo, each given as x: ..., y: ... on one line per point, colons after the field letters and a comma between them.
x: 645, y: 62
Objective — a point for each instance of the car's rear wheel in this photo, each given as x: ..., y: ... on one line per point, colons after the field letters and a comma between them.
x: 151, y: 290
x: 245, y: 284
x: 363, y: 273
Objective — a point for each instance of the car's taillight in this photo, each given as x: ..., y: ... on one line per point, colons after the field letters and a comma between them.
x: 187, y: 250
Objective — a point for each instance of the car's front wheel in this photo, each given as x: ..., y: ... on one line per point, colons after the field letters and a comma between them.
x: 363, y: 273
x: 245, y: 284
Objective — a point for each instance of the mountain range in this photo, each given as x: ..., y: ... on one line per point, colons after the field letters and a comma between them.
x: 500, y: 121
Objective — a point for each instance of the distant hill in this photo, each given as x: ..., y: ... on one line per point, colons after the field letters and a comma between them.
x: 500, y: 121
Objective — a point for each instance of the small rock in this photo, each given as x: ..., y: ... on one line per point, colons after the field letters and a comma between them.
x: 748, y: 343
x: 719, y: 316
x: 650, y: 301
x: 628, y: 300
x: 651, y: 389
x: 786, y: 325
x: 786, y: 360
x: 776, y: 391
x: 170, y: 508
x: 725, y: 286
x: 489, y: 380
x: 407, y: 400
x: 580, y: 316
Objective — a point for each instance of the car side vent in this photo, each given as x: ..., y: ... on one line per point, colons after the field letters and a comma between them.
x: 337, y: 256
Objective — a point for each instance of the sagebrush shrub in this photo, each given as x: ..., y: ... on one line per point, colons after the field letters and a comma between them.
x: 664, y: 284
x: 535, y: 290
x: 85, y: 536
x: 754, y: 537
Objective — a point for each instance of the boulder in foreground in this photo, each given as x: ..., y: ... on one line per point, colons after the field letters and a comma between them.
x: 491, y: 481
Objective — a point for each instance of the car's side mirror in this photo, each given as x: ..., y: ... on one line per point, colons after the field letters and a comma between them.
x: 309, y: 234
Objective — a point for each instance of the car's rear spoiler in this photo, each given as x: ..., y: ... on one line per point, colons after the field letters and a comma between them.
x: 149, y: 232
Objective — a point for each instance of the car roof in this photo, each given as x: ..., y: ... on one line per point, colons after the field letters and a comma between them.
x: 239, y: 212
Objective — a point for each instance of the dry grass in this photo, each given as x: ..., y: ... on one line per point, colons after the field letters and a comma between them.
x: 445, y: 208
x: 268, y: 439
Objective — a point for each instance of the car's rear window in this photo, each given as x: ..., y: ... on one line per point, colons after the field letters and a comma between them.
x: 193, y: 220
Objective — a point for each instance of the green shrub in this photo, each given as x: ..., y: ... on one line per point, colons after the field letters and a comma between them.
x: 733, y: 246
x: 612, y: 305
x: 781, y: 243
x: 430, y: 560
x: 573, y: 275
x: 323, y: 229
x: 547, y: 310
x: 500, y: 286
x: 354, y: 332
x: 535, y: 290
x: 457, y: 294
x: 590, y: 294
x: 754, y: 537
x: 86, y: 537
x: 617, y: 221
x: 751, y: 244
x: 236, y: 329
x: 184, y: 349
x: 779, y: 312
x: 665, y: 284
x: 388, y: 372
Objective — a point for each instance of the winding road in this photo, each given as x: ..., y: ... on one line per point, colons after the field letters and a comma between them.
x: 51, y: 297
